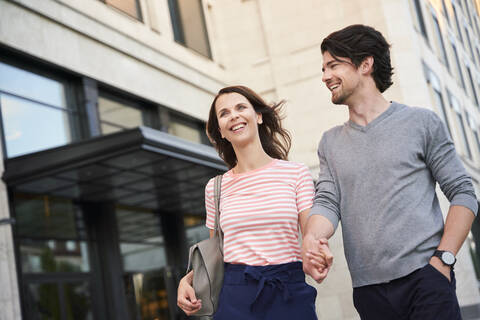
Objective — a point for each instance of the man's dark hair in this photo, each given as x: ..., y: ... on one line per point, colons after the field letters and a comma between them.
x: 358, y: 42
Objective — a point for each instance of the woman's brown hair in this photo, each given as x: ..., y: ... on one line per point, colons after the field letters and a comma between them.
x: 276, y: 140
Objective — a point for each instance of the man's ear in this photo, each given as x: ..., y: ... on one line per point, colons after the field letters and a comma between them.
x: 366, y: 66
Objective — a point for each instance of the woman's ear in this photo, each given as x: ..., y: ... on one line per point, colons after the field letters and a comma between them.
x: 259, y: 118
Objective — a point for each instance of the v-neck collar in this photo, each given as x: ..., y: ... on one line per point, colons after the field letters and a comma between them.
x: 391, y: 109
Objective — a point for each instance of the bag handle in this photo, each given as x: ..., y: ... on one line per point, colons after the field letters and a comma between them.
x: 216, y: 195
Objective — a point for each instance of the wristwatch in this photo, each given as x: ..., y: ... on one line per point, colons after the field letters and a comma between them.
x: 447, y: 257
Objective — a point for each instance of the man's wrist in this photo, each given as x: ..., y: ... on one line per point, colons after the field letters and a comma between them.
x: 446, y: 257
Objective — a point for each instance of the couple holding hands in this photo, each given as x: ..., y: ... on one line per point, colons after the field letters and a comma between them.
x: 378, y: 173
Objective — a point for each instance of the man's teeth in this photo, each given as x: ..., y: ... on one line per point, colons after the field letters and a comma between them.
x: 334, y: 87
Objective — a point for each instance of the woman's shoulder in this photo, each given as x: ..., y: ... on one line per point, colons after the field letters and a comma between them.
x: 209, y: 185
x: 292, y: 165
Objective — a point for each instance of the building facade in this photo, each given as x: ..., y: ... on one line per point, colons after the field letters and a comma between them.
x: 103, y: 104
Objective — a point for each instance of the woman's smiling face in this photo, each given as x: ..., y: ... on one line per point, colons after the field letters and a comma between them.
x: 237, y: 119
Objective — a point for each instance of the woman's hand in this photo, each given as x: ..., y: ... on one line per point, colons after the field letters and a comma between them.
x: 186, y: 299
x: 317, y: 258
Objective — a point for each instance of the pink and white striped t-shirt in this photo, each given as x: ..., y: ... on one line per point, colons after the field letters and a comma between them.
x: 259, y: 212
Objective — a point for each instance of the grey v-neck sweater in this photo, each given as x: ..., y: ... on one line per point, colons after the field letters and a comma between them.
x: 379, y: 182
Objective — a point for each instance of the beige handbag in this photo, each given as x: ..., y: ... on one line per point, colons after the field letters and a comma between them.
x: 206, y: 261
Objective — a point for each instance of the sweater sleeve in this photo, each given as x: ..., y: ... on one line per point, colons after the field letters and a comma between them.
x: 446, y: 166
x: 326, y: 201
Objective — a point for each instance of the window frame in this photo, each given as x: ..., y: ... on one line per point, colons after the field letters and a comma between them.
x: 137, y: 5
x: 178, y: 28
x: 150, y: 116
x: 74, y: 110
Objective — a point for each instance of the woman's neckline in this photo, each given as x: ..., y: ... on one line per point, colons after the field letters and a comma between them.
x: 246, y: 173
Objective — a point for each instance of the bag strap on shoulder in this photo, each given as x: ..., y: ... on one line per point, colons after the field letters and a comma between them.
x: 216, y: 196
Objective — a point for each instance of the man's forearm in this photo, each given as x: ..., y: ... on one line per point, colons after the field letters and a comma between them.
x: 458, y: 224
x: 319, y: 227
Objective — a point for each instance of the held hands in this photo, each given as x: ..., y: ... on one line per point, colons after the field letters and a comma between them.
x: 186, y: 299
x: 317, y: 258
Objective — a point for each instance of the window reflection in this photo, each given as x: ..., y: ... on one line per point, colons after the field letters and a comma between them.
x: 54, y: 256
x: 188, y: 22
x: 116, y: 116
x: 144, y: 263
x: 130, y: 7
x: 78, y: 305
x: 47, y: 217
x: 43, y: 301
x: 185, y: 130
x: 32, y: 86
x: 30, y: 127
x: 195, y: 229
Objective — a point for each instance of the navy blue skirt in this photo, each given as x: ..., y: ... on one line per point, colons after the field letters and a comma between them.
x: 266, y: 292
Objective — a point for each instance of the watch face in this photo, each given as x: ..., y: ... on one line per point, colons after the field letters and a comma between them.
x: 448, y: 258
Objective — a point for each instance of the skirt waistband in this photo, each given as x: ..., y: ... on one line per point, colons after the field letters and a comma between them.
x: 275, y: 277
x: 286, y: 272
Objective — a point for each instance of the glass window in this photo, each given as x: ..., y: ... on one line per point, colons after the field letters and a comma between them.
x: 43, y: 301
x: 78, y: 302
x: 467, y: 12
x: 459, y: 67
x: 445, y: 11
x: 195, y: 229
x: 185, y: 129
x: 48, y: 218
x: 467, y: 35
x: 460, y: 125
x: 436, y: 91
x: 39, y: 256
x: 439, y: 102
x: 474, y: 129
x: 34, y: 112
x: 189, y: 28
x: 464, y: 134
x: 144, y: 260
x: 30, y: 127
x: 474, y: 246
x: 472, y: 86
x: 51, y: 235
x: 31, y: 86
x: 477, y: 139
x: 457, y: 22
x: 439, y: 40
x: 130, y: 7
x: 477, y: 6
x: 117, y: 116
x: 476, y: 26
x: 478, y: 57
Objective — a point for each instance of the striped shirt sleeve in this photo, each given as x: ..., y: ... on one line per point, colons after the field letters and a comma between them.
x: 304, y: 189
x: 210, y: 205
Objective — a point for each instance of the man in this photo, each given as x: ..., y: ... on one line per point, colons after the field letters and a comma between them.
x: 377, y: 177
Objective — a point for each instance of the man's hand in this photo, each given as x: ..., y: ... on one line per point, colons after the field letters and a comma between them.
x: 317, y: 258
x: 441, y: 267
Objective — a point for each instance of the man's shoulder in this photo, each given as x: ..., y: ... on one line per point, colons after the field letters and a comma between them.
x: 334, y: 131
x: 418, y: 112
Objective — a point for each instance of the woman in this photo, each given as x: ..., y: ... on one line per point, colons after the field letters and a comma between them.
x: 264, y: 200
